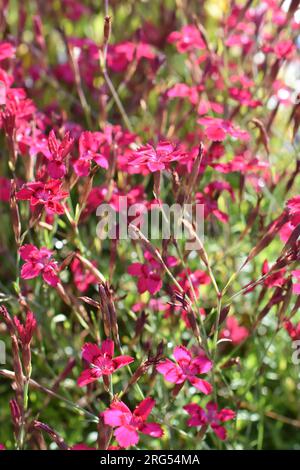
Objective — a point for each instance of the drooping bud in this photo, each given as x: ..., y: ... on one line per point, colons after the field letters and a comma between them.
x: 16, y: 415
x: 14, y: 210
x: 55, y: 437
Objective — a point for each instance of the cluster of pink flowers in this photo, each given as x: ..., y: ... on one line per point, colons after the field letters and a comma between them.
x: 39, y: 262
x: 144, y: 117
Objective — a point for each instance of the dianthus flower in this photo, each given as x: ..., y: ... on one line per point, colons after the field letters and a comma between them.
x: 186, y: 368
x: 233, y: 331
x: 101, y: 361
x: 155, y: 158
x: 209, y: 417
x: 39, y: 261
x: 44, y: 194
x: 128, y: 424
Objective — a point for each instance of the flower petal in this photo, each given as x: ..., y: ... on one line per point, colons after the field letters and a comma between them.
x: 90, y: 351
x: 88, y: 376
x: 182, y: 353
x: 201, y: 385
x: 117, y: 414
x: 144, y: 409
x: 126, y: 436
x: 107, y: 347
x: 152, y: 429
x: 121, y: 361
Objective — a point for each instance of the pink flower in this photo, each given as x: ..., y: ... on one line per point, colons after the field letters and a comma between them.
x: 128, y: 424
x: 58, y: 153
x: 286, y: 231
x: 181, y: 90
x: 187, y: 39
x: 149, y: 273
x: 89, y: 143
x: 5, y: 186
x: 284, y: 49
x: 273, y: 280
x: 197, y: 278
x: 2, y: 447
x: 293, y: 330
x: 121, y: 55
x: 39, y: 261
x: 296, y: 286
x: 149, y: 277
x: 244, y: 97
x: 26, y: 331
x: 211, y: 416
x: 83, y: 278
x: 44, y: 194
x: 7, y: 51
x: 217, y: 129
x: 294, y: 209
x: 74, y: 9
x: 186, y: 368
x: 237, y: 334
x: 101, y: 361
x: 155, y: 158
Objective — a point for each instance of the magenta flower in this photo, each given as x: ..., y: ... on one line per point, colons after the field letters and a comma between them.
x: 217, y: 129
x: 2, y: 447
x: 101, y: 361
x: 83, y: 278
x: 186, y: 368
x: 284, y: 49
x: 196, y: 278
x: 149, y: 273
x: 293, y: 330
x: 188, y: 39
x: 294, y: 209
x: 7, y: 50
x: 39, y: 261
x: 58, y: 153
x: 276, y: 279
x: 149, y: 278
x: 155, y: 158
x: 209, y: 417
x: 128, y: 424
x: 122, y: 54
x: 89, y: 143
x: 181, y: 90
x: 5, y: 186
x: 44, y: 194
x: 296, y: 285
x: 233, y: 331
